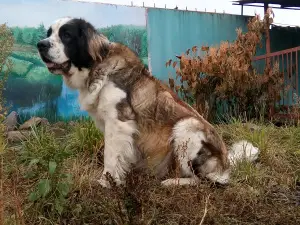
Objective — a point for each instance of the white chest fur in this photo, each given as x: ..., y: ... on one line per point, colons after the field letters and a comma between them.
x: 119, y: 150
x: 101, y: 104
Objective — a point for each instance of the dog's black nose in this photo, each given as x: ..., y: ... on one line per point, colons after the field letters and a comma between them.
x: 43, y: 45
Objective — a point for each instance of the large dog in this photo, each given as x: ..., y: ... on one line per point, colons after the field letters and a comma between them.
x: 136, y: 113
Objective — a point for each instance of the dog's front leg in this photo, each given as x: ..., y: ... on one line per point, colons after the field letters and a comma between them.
x: 119, y: 150
x: 92, y: 96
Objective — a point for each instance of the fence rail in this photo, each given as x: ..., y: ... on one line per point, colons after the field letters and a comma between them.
x: 288, y: 65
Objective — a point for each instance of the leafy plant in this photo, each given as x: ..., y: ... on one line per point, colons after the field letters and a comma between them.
x: 44, y: 158
x: 222, y: 80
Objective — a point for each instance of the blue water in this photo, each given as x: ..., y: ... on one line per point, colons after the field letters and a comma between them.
x: 67, y: 103
x: 65, y: 106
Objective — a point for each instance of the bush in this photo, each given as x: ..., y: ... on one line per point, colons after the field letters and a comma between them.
x: 223, y: 81
x: 6, y: 44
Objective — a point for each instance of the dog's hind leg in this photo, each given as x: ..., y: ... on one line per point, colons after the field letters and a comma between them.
x: 194, y: 155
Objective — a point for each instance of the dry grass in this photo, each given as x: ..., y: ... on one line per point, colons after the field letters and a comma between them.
x: 266, y: 192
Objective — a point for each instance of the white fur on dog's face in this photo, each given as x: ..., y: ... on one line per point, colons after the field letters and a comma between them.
x: 56, y: 52
x: 53, y: 49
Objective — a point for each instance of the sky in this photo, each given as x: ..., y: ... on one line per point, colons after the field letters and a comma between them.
x: 33, y: 12
x: 282, y: 16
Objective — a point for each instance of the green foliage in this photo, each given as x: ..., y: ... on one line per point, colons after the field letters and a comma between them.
x: 86, y: 137
x: 135, y: 37
x: 29, y: 35
x: 28, y: 56
x: 20, y: 67
x: 41, y: 75
x: 44, y: 156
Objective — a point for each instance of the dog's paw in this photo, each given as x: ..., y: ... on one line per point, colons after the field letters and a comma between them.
x: 93, y: 87
x: 169, y: 182
x: 104, y: 183
x: 180, y: 181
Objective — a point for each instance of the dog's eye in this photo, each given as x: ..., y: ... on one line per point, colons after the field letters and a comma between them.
x: 49, y: 32
x: 66, y: 35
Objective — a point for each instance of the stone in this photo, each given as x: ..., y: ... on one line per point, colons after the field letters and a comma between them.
x: 17, y: 136
x: 45, y: 122
x: 11, y: 121
x: 72, y: 123
x: 58, y: 132
x: 34, y: 121
x: 252, y: 127
x: 16, y: 148
x: 59, y: 124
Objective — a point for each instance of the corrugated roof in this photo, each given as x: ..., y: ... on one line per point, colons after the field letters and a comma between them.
x: 285, y: 4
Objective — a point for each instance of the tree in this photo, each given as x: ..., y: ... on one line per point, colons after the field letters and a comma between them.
x: 144, y: 47
x: 39, y: 33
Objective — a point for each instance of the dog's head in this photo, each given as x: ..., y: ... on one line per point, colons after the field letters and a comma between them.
x: 71, y: 42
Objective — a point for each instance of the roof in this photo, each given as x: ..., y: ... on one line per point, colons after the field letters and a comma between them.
x: 284, y: 4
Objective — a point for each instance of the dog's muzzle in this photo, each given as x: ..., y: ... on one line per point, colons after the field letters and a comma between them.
x: 43, y: 46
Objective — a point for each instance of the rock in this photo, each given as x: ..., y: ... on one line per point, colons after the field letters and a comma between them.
x: 72, y: 123
x: 34, y: 121
x: 252, y: 127
x: 45, y: 122
x: 17, y: 136
x: 16, y: 148
x: 59, y: 124
x: 58, y: 132
x: 11, y: 121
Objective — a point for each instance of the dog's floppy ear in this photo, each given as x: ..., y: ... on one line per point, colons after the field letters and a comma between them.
x: 97, y: 44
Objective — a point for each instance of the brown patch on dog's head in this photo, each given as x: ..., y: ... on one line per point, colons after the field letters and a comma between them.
x: 217, y: 152
x: 98, y: 45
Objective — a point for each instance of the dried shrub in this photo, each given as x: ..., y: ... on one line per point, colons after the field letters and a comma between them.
x: 211, y: 77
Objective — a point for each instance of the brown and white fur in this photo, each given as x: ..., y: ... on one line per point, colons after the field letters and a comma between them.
x: 136, y: 113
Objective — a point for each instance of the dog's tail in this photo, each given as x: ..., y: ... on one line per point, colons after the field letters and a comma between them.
x: 242, y: 150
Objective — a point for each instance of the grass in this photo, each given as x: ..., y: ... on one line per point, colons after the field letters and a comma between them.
x: 52, y: 181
